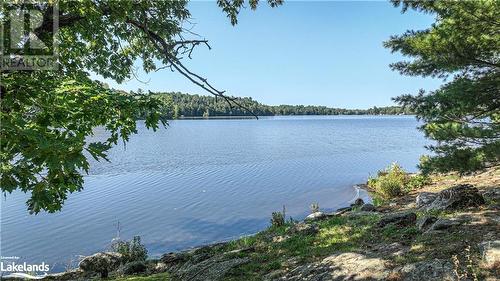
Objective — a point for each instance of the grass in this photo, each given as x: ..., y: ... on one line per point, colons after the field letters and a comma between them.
x: 337, y: 234
x: 155, y: 277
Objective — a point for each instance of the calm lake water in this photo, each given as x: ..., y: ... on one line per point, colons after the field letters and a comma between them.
x: 202, y: 181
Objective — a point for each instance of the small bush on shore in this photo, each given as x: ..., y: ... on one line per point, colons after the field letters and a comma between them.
x: 314, y: 207
x: 132, y: 250
x: 395, y: 181
x: 417, y: 181
x: 389, y: 186
x: 277, y: 219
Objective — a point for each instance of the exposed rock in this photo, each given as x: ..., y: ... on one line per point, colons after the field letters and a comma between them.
x: 242, y: 250
x: 433, y: 270
x: 316, y: 216
x: 455, y: 198
x: 303, y: 229
x: 426, y: 222
x: 360, y: 213
x: 213, y: 268
x: 173, y: 258
x: 101, y: 263
x: 399, y: 219
x: 134, y: 267
x: 393, y: 249
x: 280, y: 238
x: 274, y: 275
x: 490, y: 252
x: 425, y: 198
x: 160, y: 267
x: 443, y: 224
x: 343, y: 210
x: 358, y: 203
x: 346, y: 266
x: 492, y: 194
x: 368, y: 208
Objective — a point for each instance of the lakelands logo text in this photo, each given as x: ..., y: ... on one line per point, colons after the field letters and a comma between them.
x: 23, y: 267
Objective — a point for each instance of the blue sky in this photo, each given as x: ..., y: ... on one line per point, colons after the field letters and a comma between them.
x: 318, y: 53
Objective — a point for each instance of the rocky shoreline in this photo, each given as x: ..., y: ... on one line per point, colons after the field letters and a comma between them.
x: 448, y: 230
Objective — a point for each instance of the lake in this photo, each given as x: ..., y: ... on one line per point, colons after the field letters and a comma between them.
x: 202, y: 181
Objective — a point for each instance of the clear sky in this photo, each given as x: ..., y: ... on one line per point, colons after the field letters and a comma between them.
x: 316, y: 53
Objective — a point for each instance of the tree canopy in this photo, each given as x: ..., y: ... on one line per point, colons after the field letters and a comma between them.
x: 47, y: 115
x: 186, y: 105
x: 463, y: 115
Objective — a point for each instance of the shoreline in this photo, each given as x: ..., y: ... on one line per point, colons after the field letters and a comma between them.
x: 394, y: 239
x: 243, y: 117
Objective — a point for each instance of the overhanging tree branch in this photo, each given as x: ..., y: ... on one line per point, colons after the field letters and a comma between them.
x: 166, y: 48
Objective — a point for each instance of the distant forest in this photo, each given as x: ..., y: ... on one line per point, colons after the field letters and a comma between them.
x: 185, y: 105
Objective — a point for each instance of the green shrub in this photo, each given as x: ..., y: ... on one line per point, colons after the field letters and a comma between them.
x: 277, y: 219
x: 417, y: 181
x: 389, y: 182
x: 394, y: 181
x: 372, y: 181
x: 132, y: 250
x: 314, y: 207
x: 378, y: 200
x: 389, y: 186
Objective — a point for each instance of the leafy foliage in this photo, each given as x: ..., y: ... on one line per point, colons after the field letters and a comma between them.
x: 45, y: 122
x: 197, y: 106
x: 417, y: 181
x: 277, y: 219
x: 395, y: 181
x: 463, y: 116
x: 132, y: 251
x: 314, y: 208
x: 47, y: 115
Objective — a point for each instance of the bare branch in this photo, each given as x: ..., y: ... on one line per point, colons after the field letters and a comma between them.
x: 165, y: 48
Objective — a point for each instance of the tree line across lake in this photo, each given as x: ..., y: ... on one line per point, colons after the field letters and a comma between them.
x: 178, y: 105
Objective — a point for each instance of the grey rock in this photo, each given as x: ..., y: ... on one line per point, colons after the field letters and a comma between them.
x: 214, y: 268
x: 456, y: 198
x: 425, y: 198
x: 101, y: 263
x: 316, y: 216
x: 443, y: 224
x: 392, y: 249
x: 303, y: 229
x: 490, y: 252
x: 492, y: 194
x: 368, y: 208
x: 399, y: 219
x: 345, y: 266
x: 242, y: 250
x: 160, y: 267
x: 174, y: 258
x: 426, y: 222
x: 280, y: 238
x: 134, y: 267
x: 433, y: 270
x: 343, y: 210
